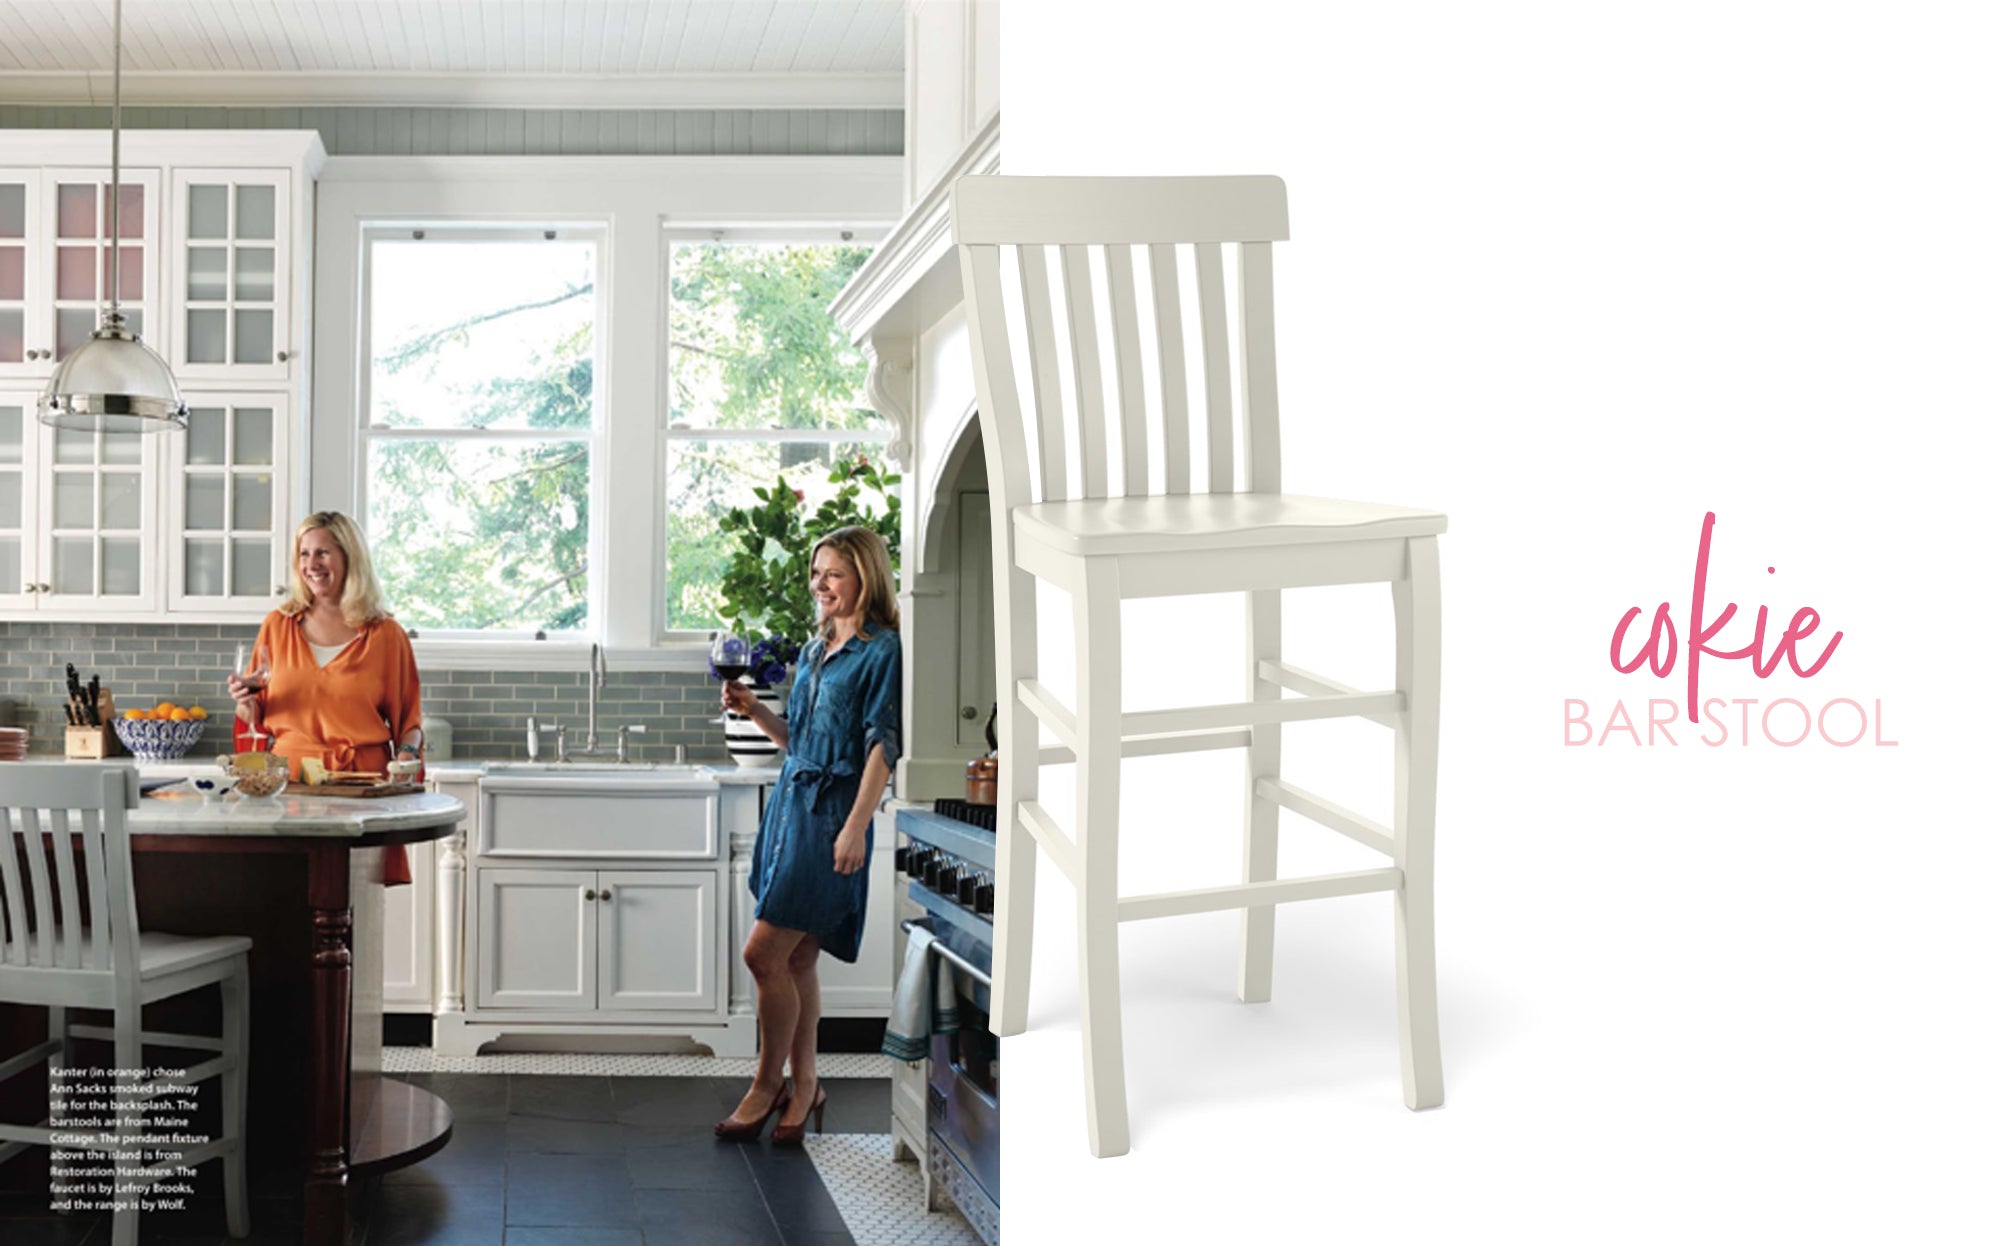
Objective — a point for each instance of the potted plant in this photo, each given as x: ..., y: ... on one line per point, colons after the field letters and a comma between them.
x: 766, y: 589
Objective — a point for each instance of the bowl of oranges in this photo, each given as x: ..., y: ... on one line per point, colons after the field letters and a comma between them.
x: 164, y: 733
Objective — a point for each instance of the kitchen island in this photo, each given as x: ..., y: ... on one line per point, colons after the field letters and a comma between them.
x: 301, y: 876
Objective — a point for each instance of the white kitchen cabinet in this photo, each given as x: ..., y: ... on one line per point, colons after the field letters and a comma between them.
x: 596, y: 913
x: 20, y: 476
x: 536, y: 940
x: 409, y: 921
x: 656, y: 932
x: 613, y: 941
x: 229, y: 509
x: 214, y: 275
x: 97, y: 551
x: 231, y: 291
x: 55, y: 260
x: 423, y: 930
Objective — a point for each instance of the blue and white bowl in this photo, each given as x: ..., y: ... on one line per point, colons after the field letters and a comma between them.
x: 150, y: 739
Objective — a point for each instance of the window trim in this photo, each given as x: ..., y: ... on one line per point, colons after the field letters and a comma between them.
x: 639, y: 195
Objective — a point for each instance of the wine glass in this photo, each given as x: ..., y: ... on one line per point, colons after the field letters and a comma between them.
x: 730, y: 656
x: 257, y: 674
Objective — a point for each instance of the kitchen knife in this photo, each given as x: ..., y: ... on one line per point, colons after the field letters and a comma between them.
x: 90, y: 704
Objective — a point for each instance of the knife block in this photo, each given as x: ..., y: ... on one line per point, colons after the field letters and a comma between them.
x: 91, y: 743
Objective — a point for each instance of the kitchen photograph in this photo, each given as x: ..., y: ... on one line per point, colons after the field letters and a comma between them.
x: 497, y: 659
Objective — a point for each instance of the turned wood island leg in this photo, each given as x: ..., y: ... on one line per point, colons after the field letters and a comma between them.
x: 332, y: 996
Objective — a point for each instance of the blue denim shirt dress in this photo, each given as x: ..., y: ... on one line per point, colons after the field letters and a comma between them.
x: 841, y: 707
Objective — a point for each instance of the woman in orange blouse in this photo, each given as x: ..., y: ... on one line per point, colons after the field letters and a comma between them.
x: 343, y: 683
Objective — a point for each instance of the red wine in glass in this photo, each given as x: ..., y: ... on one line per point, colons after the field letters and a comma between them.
x: 730, y: 656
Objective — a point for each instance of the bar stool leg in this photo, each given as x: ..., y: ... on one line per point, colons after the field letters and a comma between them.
x: 1020, y: 766
x: 129, y: 1062
x: 235, y: 1096
x: 1417, y: 649
x: 1260, y: 817
x: 1099, y: 659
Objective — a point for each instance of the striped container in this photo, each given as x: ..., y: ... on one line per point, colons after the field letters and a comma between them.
x: 750, y: 748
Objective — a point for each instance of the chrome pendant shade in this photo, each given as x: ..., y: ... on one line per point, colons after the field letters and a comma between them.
x: 114, y: 382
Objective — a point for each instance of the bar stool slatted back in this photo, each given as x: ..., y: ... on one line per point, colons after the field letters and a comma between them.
x: 1074, y: 354
x: 69, y: 939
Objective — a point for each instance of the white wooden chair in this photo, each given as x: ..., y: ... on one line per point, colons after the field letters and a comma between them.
x: 48, y: 956
x: 1100, y: 519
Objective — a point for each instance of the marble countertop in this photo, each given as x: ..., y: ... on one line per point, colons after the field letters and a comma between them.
x: 175, y: 812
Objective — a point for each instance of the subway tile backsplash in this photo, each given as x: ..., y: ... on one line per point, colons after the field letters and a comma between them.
x: 145, y: 664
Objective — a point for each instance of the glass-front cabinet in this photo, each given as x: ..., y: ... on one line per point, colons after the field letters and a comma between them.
x: 229, y: 511
x: 214, y: 272
x: 97, y: 550
x: 55, y: 261
x: 231, y: 297
x: 20, y: 470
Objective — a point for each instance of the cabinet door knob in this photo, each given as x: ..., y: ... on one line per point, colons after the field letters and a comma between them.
x: 590, y: 894
x: 42, y: 588
x: 284, y: 356
x: 605, y: 895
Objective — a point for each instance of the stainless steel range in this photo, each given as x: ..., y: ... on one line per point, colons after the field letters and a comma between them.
x: 947, y: 857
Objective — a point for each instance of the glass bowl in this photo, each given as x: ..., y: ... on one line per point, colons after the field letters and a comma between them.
x: 258, y: 784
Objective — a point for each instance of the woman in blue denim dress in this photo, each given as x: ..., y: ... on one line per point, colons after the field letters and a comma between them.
x: 809, y: 872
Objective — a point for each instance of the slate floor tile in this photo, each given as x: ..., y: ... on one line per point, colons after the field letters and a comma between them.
x: 558, y: 1097
x: 706, y: 1218
x: 442, y: 1215
x: 569, y: 1190
x: 475, y: 1156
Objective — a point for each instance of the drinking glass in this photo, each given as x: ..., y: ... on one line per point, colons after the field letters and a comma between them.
x: 730, y: 656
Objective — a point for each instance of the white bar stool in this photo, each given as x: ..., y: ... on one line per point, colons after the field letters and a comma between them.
x: 1106, y: 540
x: 49, y: 957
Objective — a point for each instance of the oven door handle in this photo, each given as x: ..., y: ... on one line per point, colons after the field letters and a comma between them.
x: 959, y: 962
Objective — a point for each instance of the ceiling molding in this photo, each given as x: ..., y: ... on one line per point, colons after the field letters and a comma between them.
x: 463, y: 90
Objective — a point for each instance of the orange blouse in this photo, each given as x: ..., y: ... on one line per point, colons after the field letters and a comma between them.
x: 349, y: 713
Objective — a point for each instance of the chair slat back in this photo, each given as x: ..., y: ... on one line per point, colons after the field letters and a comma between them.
x: 1203, y: 249
x: 44, y: 901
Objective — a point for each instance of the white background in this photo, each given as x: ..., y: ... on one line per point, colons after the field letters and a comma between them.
x: 1576, y: 274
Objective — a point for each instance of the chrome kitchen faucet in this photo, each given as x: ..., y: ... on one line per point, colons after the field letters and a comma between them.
x: 593, y: 680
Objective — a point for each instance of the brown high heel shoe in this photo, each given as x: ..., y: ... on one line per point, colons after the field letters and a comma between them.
x: 729, y: 1129
x: 795, y: 1135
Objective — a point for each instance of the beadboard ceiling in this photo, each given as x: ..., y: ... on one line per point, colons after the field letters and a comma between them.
x: 566, y: 53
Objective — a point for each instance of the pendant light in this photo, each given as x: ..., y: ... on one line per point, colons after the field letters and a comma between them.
x: 113, y: 381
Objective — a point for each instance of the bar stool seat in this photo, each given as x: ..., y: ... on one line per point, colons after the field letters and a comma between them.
x: 1055, y: 423
x: 1203, y: 521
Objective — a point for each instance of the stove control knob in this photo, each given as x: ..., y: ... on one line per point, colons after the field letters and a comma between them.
x: 982, y: 898
x: 968, y: 887
x: 903, y: 859
x: 947, y: 881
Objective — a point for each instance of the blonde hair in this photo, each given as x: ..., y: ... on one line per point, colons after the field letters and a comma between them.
x: 868, y: 554
x: 361, y: 595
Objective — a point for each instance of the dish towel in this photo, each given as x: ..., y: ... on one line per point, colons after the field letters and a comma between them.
x: 926, y: 1001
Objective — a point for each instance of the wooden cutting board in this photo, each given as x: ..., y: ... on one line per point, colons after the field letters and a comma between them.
x: 356, y: 789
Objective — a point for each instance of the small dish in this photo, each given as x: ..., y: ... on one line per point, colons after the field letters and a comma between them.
x: 212, y: 789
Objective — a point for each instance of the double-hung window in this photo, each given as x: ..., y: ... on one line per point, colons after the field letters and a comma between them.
x: 481, y: 427
x: 762, y: 384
